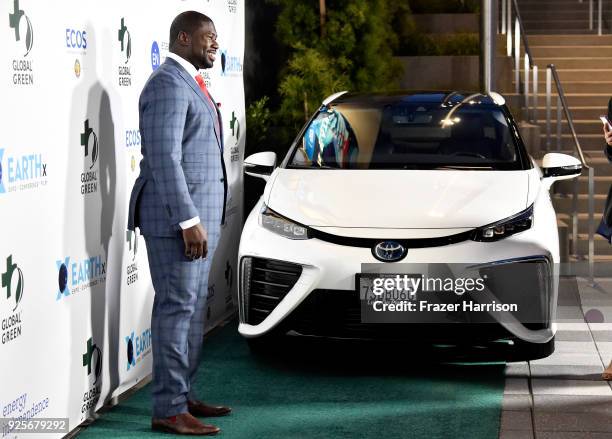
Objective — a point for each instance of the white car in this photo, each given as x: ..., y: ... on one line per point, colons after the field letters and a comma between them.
x: 397, y: 183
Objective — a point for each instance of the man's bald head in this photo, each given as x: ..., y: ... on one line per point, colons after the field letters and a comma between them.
x: 188, y: 22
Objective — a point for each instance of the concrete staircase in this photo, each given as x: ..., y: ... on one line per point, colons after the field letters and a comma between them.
x: 558, y: 33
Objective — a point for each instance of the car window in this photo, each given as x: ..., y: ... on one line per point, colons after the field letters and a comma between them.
x: 404, y: 135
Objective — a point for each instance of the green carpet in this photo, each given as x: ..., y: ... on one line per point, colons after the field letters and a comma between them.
x: 329, y: 390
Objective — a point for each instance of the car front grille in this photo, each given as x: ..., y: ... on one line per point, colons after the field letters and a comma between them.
x: 264, y: 283
x: 337, y: 314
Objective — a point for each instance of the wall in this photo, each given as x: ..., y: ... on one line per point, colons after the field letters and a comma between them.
x: 75, y: 291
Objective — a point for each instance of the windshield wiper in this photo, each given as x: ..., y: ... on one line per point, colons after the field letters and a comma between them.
x: 462, y: 167
x: 311, y: 167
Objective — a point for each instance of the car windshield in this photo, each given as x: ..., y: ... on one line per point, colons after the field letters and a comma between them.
x: 408, y: 135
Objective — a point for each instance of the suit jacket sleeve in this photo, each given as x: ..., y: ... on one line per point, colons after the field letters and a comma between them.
x: 163, y: 110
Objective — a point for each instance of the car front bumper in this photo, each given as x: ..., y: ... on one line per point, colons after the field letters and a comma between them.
x: 327, y: 274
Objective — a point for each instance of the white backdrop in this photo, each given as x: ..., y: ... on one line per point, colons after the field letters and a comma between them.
x: 75, y: 290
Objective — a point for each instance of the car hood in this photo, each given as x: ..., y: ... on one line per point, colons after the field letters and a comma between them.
x: 423, y: 199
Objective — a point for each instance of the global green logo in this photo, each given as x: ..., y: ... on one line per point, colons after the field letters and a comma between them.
x: 92, y: 359
x: 15, y: 22
x: 12, y: 280
x: 235, y: 126
x: 87, y: 135
x: 125, y: 39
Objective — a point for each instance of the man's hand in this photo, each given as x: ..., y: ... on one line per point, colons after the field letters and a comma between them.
x: 608, y: 134
x: 196, y: 242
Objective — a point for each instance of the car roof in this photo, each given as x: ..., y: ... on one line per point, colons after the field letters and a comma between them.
x: 416, y: 97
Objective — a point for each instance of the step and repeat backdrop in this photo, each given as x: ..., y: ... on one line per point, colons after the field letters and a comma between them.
x: 75, y: 290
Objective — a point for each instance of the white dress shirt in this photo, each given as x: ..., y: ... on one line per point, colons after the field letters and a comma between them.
x: 192, y: 72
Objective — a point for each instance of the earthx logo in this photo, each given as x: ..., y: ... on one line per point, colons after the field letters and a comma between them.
x: 13, y: 283
x: 89, y: 142
x: 21, y: 172
x: 230, y: 65
x: 15, y: 22
x: 76, y: 276
x: 137, y: 347
x: 23, y: 72
x: 123, y: 36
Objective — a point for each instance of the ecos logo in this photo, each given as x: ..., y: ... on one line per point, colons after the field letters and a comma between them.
x: 89, y: 142
x: 12, y: 280
x: 76, y: 39
x: 230, y: 65
x: 138, y: 347
x: 16, y: 23
x: 75, y: 276
x: 21, y: 172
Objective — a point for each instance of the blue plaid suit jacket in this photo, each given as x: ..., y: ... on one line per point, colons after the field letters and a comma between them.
x: 182, y: 173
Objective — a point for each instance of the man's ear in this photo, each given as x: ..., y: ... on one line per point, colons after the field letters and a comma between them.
x: 183, y: 38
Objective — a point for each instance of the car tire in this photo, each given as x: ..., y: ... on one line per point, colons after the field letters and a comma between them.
x: 525, y: 351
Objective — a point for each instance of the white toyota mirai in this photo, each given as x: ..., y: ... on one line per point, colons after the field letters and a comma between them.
x: 402, y: 180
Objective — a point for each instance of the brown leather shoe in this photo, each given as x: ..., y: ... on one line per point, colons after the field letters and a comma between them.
x: 607, y: 374
x: 183, y: 423
x: 198, y: 408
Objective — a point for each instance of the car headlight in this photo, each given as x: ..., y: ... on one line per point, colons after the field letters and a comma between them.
x: 502, y: 229
x: 280, y: 225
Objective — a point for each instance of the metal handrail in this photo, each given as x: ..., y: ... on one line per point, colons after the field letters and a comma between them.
x: 522, y: 33
x: 514, y: 49
x: 551, y: 74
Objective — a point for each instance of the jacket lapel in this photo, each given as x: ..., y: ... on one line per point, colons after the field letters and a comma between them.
x: 196, y: 88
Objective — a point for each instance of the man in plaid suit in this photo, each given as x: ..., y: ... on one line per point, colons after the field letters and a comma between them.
x: 178, y: 202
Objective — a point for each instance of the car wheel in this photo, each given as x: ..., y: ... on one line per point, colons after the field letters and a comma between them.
x: 525, y: 351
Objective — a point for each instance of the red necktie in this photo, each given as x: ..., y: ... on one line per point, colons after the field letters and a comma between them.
x: 202, y: 85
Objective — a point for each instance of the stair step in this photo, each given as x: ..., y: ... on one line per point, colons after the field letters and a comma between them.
x: 560, y: 14
x: 564, y: 63
x: 557, y: 25
x: 599, y: 51
x: 589, y: 126
x: 569, y: 40
x: 586, y: 112
x: 583, y: 221
x: 602, y: 247
x: 563, y: 204
x: 566, y: 31
x: 578, y: 99
x: 582, y: 75
x: 588, y: 142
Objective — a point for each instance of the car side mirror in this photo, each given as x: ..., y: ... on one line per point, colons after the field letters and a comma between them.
x: 260, y: 164
x: 557, y: 166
